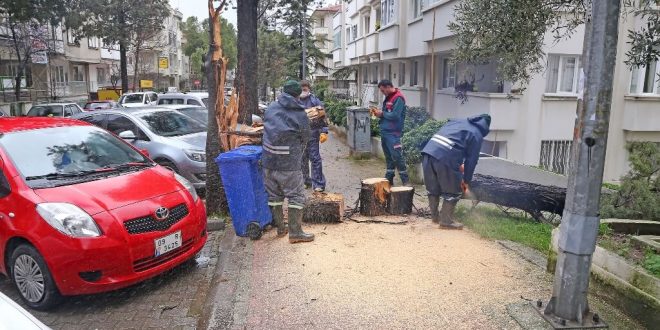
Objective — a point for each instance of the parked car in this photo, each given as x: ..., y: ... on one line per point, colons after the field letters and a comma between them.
x: 83, y: 212
x: 201, y: 114
x: 54, y: 110
x: 196, y: 99
x: 173, y: 140
x: 100, y: 105
x: 132, y: 100
x: 15, y: 317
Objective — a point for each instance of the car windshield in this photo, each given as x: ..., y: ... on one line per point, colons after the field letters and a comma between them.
x: 98, y: 105
x: 46, y: 111
x: 61, y: 154
x: 171, y: 123
x: 206, y: 101
x: 199, y: 114
x: 133, y: 98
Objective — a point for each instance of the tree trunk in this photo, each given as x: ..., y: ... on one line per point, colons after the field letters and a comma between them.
x: 246, y: 78
x: 324, y: 208
x: 529, y: 197
x: 373, y: 197
x: 400, y: 200
x: 123, y: 66
x: 135, y: 71
x: 216, y: 202
x: 18, y: 79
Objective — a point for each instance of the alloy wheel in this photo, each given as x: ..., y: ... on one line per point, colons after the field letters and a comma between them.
x: 29, y: 278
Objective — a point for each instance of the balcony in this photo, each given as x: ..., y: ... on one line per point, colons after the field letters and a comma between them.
x: 388, y: 38
x: 351, y: 50
x: 371, y: 44
x: 321, y: 31
x: 504, y: 111
x: 642, y: 113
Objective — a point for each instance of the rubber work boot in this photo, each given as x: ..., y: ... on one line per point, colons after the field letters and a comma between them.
x: 278, y: 220
x: 296, y: 234
x: 434, y: 202
x: 447, y: 216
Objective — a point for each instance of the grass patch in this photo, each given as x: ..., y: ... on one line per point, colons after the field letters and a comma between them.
x: 494, y: 224
x: 622, y: 245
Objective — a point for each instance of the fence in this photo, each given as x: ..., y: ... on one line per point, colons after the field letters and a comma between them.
x: 556, y: 155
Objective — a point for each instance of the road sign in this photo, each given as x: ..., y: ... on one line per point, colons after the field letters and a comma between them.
x: 197, y: 82
x: 146, y: 84
x: 163, y: 62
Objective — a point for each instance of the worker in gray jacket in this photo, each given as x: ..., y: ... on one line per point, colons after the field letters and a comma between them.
x: 286, y: 133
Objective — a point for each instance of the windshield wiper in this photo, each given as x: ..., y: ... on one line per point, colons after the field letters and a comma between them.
x: 59, y: 176
x: 125, y: 166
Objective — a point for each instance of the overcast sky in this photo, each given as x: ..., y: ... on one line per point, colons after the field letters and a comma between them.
x: 199, y: 8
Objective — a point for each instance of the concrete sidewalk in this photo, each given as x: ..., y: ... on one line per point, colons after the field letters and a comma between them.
x: 371, y: 276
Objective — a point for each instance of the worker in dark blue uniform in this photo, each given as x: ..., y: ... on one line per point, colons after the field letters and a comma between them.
x: 392, y: 116
x: 449, y: 160
x: 286, y: 132
x: 319, y: 129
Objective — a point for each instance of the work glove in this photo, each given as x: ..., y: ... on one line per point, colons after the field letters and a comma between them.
x: 323, y: 137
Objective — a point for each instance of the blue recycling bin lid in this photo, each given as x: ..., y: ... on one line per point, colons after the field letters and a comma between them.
x: 240, y: 154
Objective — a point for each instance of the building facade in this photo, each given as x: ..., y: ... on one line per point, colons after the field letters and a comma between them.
x: 322, y: 19
x: 409, y: 43
x: 74, y: 68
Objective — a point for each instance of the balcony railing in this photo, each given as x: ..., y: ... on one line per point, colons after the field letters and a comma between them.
x: 642, y: 113
x: 505, y: 111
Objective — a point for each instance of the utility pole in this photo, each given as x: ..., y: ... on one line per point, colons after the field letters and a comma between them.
x: 568, y: 306
x: 303, y: 33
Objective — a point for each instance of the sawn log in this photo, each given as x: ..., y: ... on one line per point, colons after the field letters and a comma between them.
x: 324, y: 208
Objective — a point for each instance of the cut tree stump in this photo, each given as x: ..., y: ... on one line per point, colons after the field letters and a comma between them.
x: 373, y: 197
x: 324, y: 208
x: 529, y: 197
x: 400, y: 200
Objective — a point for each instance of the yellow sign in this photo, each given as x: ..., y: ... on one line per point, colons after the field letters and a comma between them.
x: 163, y: 62
x: 146, y: 84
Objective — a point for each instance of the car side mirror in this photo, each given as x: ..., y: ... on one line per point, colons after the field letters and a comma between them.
x: 128, y: 136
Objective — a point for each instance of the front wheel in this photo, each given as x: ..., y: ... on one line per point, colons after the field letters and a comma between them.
x: 33, y: 279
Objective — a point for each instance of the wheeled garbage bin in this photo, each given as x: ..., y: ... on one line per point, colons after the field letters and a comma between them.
x: 242, y: 178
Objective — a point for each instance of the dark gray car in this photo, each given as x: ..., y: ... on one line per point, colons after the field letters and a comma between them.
x: 173, y: 140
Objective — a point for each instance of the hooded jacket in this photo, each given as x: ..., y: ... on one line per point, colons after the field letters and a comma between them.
x: 459, y: 142
x: 286, y: 132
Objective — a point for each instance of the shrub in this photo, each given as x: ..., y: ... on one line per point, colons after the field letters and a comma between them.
x: 335, y: 110
x: 375, y: 127
x: 638, y: 196
x: 415, y: 117
x: 414, y: 140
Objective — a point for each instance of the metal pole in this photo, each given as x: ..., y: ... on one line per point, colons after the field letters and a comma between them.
x: 303, y: 33
x: 579, y: 228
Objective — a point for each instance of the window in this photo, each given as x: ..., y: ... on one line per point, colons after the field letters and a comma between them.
x: 100, y: 75
x: 417, y: 7
x: 348, y: 35
x: 78, y: 72
x: 365, y: 75
x: 322, y: 22
x: 646, y: 79
x: 388, y: 12
x: 118, y: 124
x: 96, y: 120
x: 389, y: 72
x: 413, y: 73
x: 68, y: 111
x: 71, y: 37
x: 563, y: 74
x: 367, y: 25
x: 194, y: 102
x: 93, y: 42
x: 337, y: 39
x: 402, y: 73
x: 59, y: 75
x: 355, y: 31
x: 448, y: 74
x: 556, y: 155
x: 375, y: 74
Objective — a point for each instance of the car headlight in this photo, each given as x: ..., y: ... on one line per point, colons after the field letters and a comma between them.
x: 69, y: 219
x: 189, y: 186
x: 196, y: 155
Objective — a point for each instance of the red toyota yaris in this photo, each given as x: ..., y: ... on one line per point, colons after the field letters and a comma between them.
x: 82, y: 212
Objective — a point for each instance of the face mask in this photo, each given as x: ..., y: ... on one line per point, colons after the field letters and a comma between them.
x: 304, y: 95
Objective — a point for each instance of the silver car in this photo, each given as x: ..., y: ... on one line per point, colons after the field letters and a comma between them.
x: 172, y: 140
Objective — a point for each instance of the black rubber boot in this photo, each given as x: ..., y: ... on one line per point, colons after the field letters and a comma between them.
x: 296, y: 234
x: 447, y: 216
x: 434, y: 203
x: 278, y: 220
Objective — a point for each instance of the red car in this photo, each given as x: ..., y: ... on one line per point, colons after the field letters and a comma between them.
x: 83, y: 212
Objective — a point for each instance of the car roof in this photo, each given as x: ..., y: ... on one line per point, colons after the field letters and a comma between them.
x: 176, y: 95
x: 126, y: 111
x: 50, y: 104
x: 17, y: 124
x: 136, y: 93
x: 101, y: 101
x: 180, y: 106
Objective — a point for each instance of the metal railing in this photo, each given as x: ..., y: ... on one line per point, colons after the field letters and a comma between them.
x: 556, y: 155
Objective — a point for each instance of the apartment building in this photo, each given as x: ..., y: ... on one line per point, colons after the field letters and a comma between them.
x: 397, y: 40
x: 72, y: 67
x: 322, y: 22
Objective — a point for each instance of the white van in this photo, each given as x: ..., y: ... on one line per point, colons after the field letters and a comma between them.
x: 134, y: 100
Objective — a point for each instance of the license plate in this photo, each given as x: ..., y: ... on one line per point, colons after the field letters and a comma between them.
x: 168, y: 243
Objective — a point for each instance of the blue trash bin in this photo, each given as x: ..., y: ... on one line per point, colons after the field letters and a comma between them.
x: 242, y: 178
